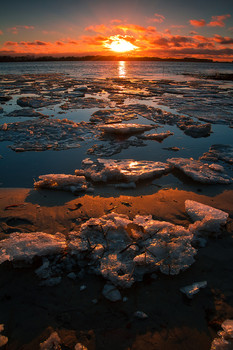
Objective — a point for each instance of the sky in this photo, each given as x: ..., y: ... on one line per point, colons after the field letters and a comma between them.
x: 158, y: 28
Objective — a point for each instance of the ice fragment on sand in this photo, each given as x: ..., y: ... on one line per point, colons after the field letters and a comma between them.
x: 111, y: 293
x: 126, y: 170
x: 3, y: 339
x: 52, y: 343
x: 124, y: 129
x: 64, y: 182
x: 194, y: 288
x: 24, y: 246
x: 206, y: 218
x: 199, y: 171
x: 225, y: 342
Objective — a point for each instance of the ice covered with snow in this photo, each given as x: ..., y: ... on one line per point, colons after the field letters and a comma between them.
x: 64, y: 182
x: 225, y: 340
x: 206, y: 218
x: 193, y: 289
x: 52, y: 343
x: 126, y: 170
x: 124, y: 129
x: 24, y: 246
x: 122, y: 250
x: 199, y: 171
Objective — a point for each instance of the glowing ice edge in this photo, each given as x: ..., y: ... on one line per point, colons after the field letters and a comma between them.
x: 119, y: 249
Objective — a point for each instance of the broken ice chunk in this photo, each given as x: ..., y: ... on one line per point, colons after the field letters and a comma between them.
x: 199, y: 171
x: 194, y: 288
x: 111, y: 293
x: 64, y: 182
x: 24, y: 246
x: 127, y: 170
x: 141, y: 315
x: 206, y: 218
x: 198, y: 211
x: 219, y: 152
x: 124, y: 129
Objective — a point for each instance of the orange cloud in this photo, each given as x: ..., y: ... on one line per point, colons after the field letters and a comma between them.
x: 218, y: 21
x: 16, y: 29
x: 197, y: 23
x: 157, y: 18
x: 223, y: 40
x: 1, y: 32
x: 100, y: 28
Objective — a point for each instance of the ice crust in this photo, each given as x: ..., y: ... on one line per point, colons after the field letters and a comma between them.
x: 127, y: 170
x: 201, y: 172
x: 219, y: 152
x: 225, y: 340
x: 64, y: 182
x: 119, y: 249
x: 157, y: 137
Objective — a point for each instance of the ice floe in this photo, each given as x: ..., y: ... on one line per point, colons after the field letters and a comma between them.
x: 124, y: 129
x: 193, y: 289
x: 126, y: 170
x: 225, y: 340
x: 44, y: 134
x: 157, y: 137
x: 219, y: 152
x: 64, y: 182
x: 201, y: 130
x: 201, y: 172
x: 26, y: 112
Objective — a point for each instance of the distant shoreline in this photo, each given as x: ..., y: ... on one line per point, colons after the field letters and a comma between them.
x: 101, y: 58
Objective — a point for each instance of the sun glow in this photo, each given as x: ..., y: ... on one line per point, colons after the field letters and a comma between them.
x: 118, y: 44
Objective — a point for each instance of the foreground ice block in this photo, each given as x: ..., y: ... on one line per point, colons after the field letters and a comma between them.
x: 225, y: 342
x: 206, y: 218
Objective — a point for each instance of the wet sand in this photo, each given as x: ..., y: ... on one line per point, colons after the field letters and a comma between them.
x: 31, y: 312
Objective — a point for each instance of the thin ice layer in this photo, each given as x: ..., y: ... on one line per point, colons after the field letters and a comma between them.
x: 24, y: 246
x: 201, y: 172
x: 64, y: 182
x: 127, y: 170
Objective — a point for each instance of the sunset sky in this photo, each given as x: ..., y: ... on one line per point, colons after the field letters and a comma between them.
x: 161, y: 28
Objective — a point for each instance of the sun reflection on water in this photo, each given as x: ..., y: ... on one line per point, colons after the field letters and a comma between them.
x: 122, y: 69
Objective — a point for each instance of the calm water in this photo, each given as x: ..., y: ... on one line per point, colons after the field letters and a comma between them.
x: 148, y: 70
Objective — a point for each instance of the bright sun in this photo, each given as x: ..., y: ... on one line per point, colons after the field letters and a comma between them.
x: 117, y: 44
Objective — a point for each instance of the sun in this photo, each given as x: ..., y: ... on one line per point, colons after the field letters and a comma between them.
x: 119, y: 44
